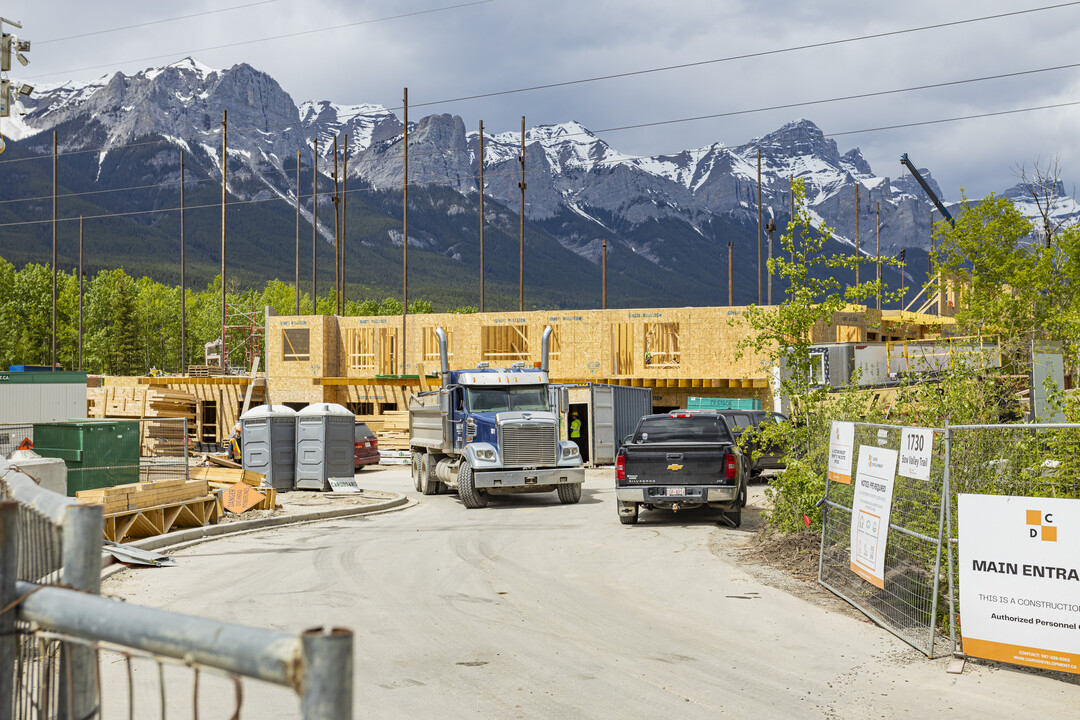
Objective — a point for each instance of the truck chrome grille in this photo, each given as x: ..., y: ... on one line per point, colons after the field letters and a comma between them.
x: 527, y: 444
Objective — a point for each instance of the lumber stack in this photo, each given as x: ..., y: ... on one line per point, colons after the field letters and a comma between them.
x: 394, y: 434
x: 222, y: 478
x: 205, y: 370
x: 140, y: 402
x: 144, y: 509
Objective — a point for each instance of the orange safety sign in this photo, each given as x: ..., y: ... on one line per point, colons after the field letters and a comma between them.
x: 240, y: 497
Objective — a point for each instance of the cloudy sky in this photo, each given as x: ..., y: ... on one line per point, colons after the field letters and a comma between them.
x: 352, y: 52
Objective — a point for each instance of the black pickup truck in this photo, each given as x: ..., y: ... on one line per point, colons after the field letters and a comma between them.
x: 681, y: 459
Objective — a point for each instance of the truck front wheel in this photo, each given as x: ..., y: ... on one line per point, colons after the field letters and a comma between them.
x: 471, y: 496
x: 569, y: 493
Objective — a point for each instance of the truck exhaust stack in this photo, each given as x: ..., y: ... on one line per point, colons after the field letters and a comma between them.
x: 544, y: 342
x: 444, y: 357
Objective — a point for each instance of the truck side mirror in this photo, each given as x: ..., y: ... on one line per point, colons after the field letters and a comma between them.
x: 444, y: 401
x: 564, y: 400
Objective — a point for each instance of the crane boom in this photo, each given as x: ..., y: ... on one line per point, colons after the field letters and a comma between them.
x: 926, y: 188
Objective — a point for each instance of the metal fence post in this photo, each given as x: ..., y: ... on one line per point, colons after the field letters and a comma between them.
x: 9, y: 559
x: 327, y: 692
x: 946, y: 491
x: 84, y: 527
x: 937, y: 555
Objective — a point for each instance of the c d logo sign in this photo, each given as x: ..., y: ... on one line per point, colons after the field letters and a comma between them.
x: 1040, y: 525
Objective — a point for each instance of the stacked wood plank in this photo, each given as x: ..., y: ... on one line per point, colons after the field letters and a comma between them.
x: 204, y: 370
x: 140, y: 402
x: 394, y: 434
x: 222, y: 478
x: 145, y: 509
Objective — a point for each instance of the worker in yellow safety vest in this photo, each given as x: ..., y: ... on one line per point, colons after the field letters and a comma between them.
x: 575, y: 428
x: 234, y: 444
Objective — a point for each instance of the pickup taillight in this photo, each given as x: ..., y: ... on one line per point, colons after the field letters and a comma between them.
x: 620, y: 467
x: 730, y: 468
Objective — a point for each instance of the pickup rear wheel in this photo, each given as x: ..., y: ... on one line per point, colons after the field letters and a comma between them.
x: 417, y: 460
x: 569, y: 493
x: 471, y: 496
x: 628, y: 513
x: 429, y: 483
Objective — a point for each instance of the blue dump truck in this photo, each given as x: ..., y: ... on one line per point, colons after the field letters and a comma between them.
x: 490, y: 432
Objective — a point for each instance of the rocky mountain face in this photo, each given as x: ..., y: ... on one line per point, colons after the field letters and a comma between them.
x: 658, y: 212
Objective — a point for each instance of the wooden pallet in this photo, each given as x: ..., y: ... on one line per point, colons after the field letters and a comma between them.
x: 145, y: 509
x: 204, y: 370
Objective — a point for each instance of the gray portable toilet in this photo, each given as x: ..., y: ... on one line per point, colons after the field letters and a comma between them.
x: 268, y: 433
x: 325, y: 436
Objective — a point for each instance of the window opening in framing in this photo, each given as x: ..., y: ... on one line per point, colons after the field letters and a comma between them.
x: 296, y: 345
x: 504, y: 344
x: 662, y: 345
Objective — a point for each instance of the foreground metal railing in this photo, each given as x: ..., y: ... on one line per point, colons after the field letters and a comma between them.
x: 54, y: 625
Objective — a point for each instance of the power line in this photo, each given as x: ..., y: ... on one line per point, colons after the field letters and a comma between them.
x: 151, y: 22
x: 450, y: 151
x: 747, y: 56
x: 414, y: 181
x: 290, y: 35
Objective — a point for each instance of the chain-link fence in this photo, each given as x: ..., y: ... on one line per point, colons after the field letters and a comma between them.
x: 1041, y: 461
x: 907, y: 602
x: 59, y: 640
x: 918, y: 597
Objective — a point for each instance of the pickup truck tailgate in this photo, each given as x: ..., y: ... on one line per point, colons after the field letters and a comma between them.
x: 682, y: 463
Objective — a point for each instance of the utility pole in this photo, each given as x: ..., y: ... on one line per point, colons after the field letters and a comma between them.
x: 481, y: 216
x: 344, y: 207
x: 315, y: 227
x: 224, y: 157
x: 183, y: 275
x: 521, y: 253
x: 81, y: 293
x: 603, y: 299
x: 770, y: 228
x: 877, y: 256
x: 337, y: 237
x: 54, y: 258
x: 759, y: 226
x: 730, y: 274
x: 856, y: 233
x: 297, y: 282
x: 405, y: 242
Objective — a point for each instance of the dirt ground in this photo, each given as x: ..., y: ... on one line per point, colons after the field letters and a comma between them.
x: 296, y: 501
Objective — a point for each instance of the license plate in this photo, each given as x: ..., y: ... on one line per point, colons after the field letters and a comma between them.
x: 676, y: 492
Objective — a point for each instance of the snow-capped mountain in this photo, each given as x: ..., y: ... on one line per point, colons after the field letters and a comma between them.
x: 580, y: 189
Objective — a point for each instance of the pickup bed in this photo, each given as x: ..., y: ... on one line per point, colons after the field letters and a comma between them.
x: 678, y: 460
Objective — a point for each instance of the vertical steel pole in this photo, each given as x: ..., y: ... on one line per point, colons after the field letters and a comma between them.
x: 54, y: 259
x: 791, y: 194
x: 937, y: 564
x: 337, y: 236
x: 315, y: 228
x: 405, y: 238
x: 327, y: 674
x: 856, y: 233
x: 344, y: 214
x: 224, y: 164
x: 81, y: 292
x: 730, y: 273
x: 604, y: 295
x: 521, y: 251
x: 297, y: 281
x: 877, y: 256
x: 9, y: 641
x: 759, y: 226
x: 83, y: 529
x: 183, y: 277
x: 946, y: 490
x: 770, y: 228
x: 482, y: 216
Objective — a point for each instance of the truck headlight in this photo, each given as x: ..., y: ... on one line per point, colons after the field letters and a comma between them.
x: 486, y: 454
x: 569, y: 451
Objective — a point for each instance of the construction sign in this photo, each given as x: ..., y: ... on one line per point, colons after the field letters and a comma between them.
x: 240, y: 497
x: 841, y: 442
x: 870, y: 510
x: 1020, y: 580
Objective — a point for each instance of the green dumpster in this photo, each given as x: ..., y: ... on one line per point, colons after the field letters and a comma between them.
x: 98, y: 453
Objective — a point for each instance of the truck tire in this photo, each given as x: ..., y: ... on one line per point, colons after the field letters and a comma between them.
x: 628, y: 518
x: 471, y: 496
x: 429, y: 483
x: 417, y: 460
x: 569, y: 493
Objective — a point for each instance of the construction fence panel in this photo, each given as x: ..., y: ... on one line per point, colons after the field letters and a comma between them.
x: 1030, y: 460
x: 911, y: 599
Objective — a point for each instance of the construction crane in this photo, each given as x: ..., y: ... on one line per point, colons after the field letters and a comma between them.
x: 926, y: 188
